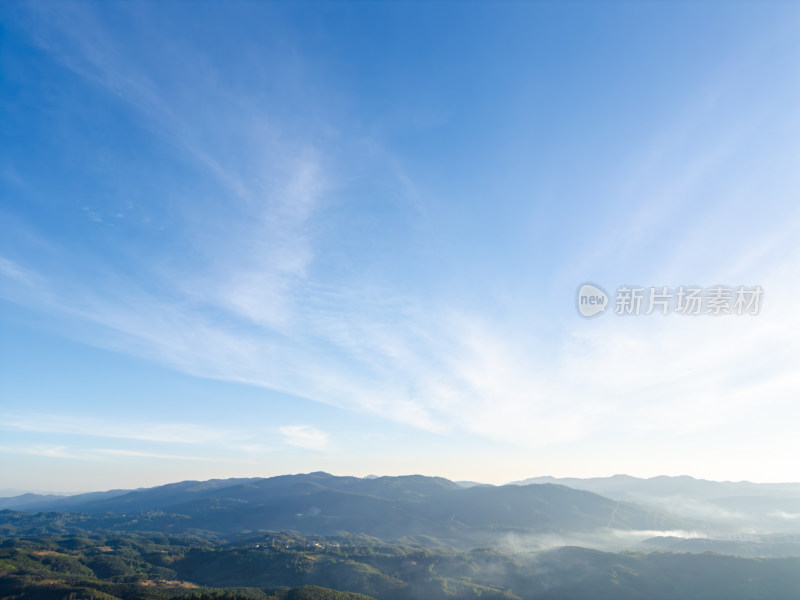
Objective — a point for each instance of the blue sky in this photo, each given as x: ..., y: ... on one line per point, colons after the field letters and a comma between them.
x: 247, y: 239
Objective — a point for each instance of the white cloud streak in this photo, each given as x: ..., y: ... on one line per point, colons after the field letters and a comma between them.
x: 173, y: 433
x: 58, y: 451
x: 305, y: 436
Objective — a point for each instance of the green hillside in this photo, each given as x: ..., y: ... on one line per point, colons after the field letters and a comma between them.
x: 289, y: 566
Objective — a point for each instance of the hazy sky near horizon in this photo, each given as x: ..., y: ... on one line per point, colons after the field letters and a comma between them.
x: 253, y: 238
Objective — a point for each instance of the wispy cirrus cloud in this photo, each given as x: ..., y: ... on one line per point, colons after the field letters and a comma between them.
x: 305, y: 436
x: 467, y: 373
x: 117, y: 452
x: 148, y: 439
x: 45, y: 450
x: 67, y: 452
x: 12, y: 270
x: 147, y: 431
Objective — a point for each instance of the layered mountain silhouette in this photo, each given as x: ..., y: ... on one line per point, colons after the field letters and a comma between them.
x: 385, y: 507
x: 722, y: 505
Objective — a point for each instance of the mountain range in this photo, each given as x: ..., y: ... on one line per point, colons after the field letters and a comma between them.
x: 399, y: 538
x: 723, y: 506
x: 384, y: 507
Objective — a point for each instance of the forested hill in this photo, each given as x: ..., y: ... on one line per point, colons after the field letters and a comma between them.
x: 278, y: 566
